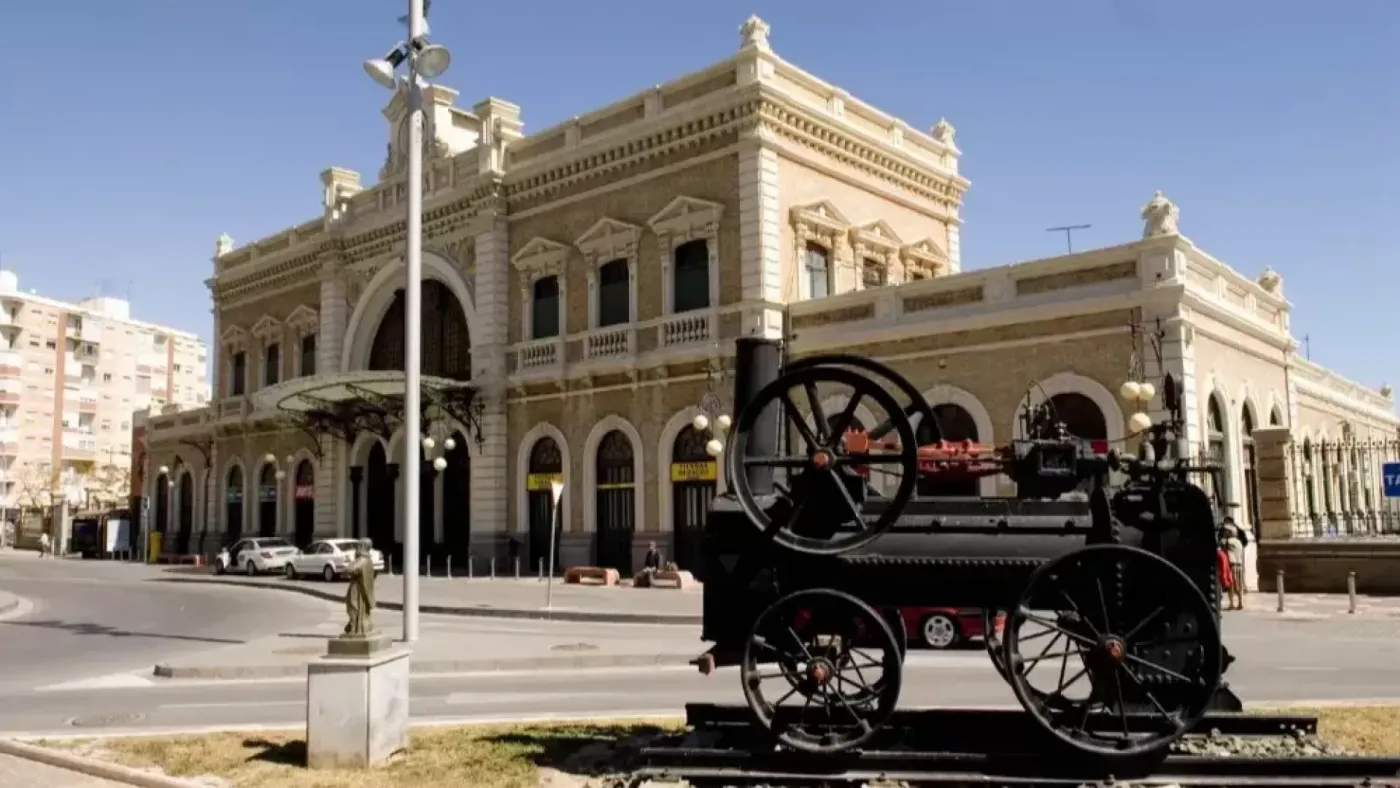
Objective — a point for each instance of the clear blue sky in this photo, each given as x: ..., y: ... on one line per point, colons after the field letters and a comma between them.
x: 136, y: 131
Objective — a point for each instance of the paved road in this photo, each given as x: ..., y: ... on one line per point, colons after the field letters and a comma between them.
x: 1279, y: 663
x: 92, y: 618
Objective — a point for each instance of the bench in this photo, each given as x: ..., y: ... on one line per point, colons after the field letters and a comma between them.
x: 594, y: 575
x: 666, y: 578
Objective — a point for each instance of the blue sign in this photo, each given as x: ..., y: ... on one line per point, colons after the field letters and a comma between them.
x: 1390, y: 478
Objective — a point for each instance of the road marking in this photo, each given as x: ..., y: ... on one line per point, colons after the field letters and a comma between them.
x: 1310, y: 669
x: 232, y: 704
x: 112, y: 681
x: 487, y: 698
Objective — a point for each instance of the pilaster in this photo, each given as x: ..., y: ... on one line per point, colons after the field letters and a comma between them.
x: 328, y: 517
x: 760, y: 238
x: 210, y: 493
x: 330, y: 340
x: 489, y: 483
x: 954, y: 247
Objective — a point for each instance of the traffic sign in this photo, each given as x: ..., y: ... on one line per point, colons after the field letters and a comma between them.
x: 1390, y: 479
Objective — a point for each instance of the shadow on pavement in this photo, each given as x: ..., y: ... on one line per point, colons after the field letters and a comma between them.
x: 585, y: 750
x: 101, y: 629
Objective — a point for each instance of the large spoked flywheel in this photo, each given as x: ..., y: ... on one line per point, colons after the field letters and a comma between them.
x: 825, y: 466
x: 1113, y: 650
x: 821, y: 670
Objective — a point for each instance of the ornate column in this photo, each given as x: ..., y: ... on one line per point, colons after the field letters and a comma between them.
x: 330, y: 344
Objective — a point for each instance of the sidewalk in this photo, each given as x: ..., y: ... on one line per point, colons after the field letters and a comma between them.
x: 21, y: 773
x: 456, y: 648
x: 1314, y: 606
x: 499, y: 598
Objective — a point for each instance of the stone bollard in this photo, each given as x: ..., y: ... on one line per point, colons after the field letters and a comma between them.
x: 1351, y: 592
x: 449, y: 566
x: 517, y: 567
x: 493, y: 567
x: 471, y: 566
x: 1279, y: 585
x: 539, y: 571
x: 428, y: 566
x: 389, y: 566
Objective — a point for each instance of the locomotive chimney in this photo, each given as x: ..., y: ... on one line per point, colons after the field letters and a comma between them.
x: 757, y: 361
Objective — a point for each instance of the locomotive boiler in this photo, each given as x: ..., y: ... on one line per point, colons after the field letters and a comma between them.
x: 1103, y: 565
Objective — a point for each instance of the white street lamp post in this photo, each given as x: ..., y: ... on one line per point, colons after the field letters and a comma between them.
x: 425, y: 61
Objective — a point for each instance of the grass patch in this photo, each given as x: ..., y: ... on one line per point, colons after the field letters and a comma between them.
x: 1364, y: 730
x: 524, y: 756
x: 564, y: 755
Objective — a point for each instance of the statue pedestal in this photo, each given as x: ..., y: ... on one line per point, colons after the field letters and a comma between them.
x: 356, y: 704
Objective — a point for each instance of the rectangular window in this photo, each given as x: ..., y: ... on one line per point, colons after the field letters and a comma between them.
x: 692, y: 276
x: 272, y: 364
x: 308, y: 355
x: 544, y: 308
x: 613, y: 299
x: 238, y: 382
x: 818, y: 272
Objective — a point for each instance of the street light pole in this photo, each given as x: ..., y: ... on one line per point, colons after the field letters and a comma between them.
x: 425, y: 61
x: 413, y: 329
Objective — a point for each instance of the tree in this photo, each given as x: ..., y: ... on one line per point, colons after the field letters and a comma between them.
x: 36, y: 484
x: 109, y: 485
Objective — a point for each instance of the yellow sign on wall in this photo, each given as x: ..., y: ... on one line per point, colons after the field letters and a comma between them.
x: 693, y: 471
x: 539, y: 482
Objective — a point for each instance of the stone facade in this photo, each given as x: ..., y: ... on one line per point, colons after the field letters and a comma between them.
x: 603, y: 268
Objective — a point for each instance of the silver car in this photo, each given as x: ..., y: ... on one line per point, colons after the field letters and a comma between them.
x: 329, y: 559
x: 255, y: 556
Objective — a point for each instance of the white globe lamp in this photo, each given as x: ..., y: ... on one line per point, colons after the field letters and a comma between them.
x: 1130, y: 390
x: 714, y: 448
x: 701, y: 422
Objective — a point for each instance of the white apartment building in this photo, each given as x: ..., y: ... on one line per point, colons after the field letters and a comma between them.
x: 71, y: 375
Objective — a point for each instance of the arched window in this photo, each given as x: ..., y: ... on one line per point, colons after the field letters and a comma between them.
x: 1215, y: 450
x: 544, y: 308
x: 818, y: 267
x: 446, y: 344
x: 692, y: 278
x: 1082, y: 417
x: 614, y: 307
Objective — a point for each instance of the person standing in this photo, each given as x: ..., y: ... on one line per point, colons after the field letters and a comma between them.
x: 43, y: 544
x: 1233, y: 546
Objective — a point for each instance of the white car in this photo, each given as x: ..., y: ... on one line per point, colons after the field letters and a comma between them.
x: 255, y: 556
x: 329, y: 558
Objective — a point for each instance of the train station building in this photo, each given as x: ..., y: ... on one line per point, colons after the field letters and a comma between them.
x: 583, y: 288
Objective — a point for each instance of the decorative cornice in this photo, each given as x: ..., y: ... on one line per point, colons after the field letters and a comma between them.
x: 304, y: 320
x: 609, y: 239
x: 683, y: 214
x: 268, y: 329
x: 822, y: 216
x: 541, y: 257
x: 876, y: 235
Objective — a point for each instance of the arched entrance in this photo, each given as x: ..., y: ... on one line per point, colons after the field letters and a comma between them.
x: 186, y: 513
x: 617, y: 502
x: 162, y: 504
x: 304, y: 508
x: 267, y: 501
x: 1082, y: 418
x: 233, y: 503
x: 955, y: 424
x: 546, y: 465
x: 1251, y: 474
x: 457, y: 501
x: 379, y: 499
x: 693, y: 477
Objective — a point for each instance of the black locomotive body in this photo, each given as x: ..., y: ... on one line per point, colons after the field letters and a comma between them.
x: 808, y: 556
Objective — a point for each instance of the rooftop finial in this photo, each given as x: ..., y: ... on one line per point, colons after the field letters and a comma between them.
x: 754, y: 33
x: 223, y: 246
x: 943, y: 131
x: 1159, y: 217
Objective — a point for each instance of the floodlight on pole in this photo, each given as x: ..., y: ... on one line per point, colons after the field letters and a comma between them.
x: 381, y: 70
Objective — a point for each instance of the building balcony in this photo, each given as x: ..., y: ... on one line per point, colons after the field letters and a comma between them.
x: 87, y: 405
x: 11, y: 391
x: 11, y: 364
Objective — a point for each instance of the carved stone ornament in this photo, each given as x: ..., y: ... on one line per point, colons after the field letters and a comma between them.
x: 268, y: 329
x: 304, y: 320
x: 223, y: 246
x: 754, y: 33
x: 235, y: 338
x: 944, y: 132
x: 1270, y: 281
x: 1159, y: 217
x: 1386, y: 390
x: 356, y: 279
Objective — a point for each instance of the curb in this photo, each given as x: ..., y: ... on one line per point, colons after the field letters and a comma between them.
x: 583, y: 662
x: 91, y: 767
x: 446, y: 610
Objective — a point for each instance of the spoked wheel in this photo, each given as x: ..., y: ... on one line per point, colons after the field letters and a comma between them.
x: 821, y: 481
x: 928, y: 431
x: 821, y: 670
x: 1124, y: 650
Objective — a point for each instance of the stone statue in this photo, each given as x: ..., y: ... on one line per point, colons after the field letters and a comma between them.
x: 1386, y: 390
x: 359, y: 596
x: 944, y: 132
x: 223, y: 246
x: 1159, y: 217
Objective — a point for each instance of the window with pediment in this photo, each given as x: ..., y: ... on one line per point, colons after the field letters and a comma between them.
x: 822, y: 235
x: 302, y: 324
x: 872, y: 273
x: 272, y: 364
x: 691, y: 283
x: 544, y: 312
x: 923, y: 259
x: 238, y: 374
x: 687, y: 232
x: 876, y: 246
x: 609, y: 249
x: 539, y: 267
x: 308, y: 355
